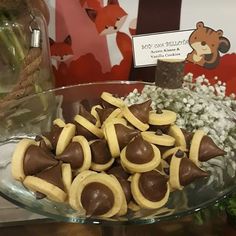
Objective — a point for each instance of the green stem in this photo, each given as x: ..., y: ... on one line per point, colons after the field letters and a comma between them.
x: 10, y: 39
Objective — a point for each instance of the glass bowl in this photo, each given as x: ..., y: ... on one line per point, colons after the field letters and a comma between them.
x: 33, y: 115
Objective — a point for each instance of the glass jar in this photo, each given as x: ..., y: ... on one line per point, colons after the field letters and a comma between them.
x: 25, y: 66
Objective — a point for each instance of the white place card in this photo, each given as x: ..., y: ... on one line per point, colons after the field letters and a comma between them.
x: 148, y: 48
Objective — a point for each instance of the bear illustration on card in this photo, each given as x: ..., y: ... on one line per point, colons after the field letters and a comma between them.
x: 207, y: 44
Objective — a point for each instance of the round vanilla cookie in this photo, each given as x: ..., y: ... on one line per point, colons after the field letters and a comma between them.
x: 133, y: 167
x: 110, y: 135
x: 112, y: 184
x: 95, y: 114
x: 108, y: 97
x: 163, y: 165
x: 115, y: 121
x: 67, y: 133
x: 17, y: 162
x: 101, y: 167
x: 174, y: 172
x: 134, y: 120
x: 59, y: 122
x: 39, y: 185
x: 86, y: 152
x: 89, y: 126
x: 66, y: 176
x: 163, y: 139
x: 141, y: 200
x: 73, y: 196
x: 167, y: 117
x: 195, y: 145
x: 113, y: 115
x: 178, y: 135
x: 173, y: 150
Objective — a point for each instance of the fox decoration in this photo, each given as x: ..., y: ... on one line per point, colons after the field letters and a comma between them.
x: 108, y: 21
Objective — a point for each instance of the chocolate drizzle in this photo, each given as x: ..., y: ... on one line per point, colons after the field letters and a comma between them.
x: 100, y: 152
x: 97, y: 199
x: 125, y: 134
x: 104, y: 113
x: 139, y: 151
x: 141, y: 111
x: 36, y: 160
x: 153, y: 185
x: 189, y: 172
x: 73, y: 154
x: 53, y: 176
x: 208, y: 149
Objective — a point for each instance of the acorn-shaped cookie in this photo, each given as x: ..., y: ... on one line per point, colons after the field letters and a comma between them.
x: 48, y: 182
x: 158, y: 138
x: 59, y: 137
x: 118, y: 136
x: 100, y: 195
x: 150, y: 189
x: 122, y: 176
x: 162, y: 119
x: 107, y: 114
x: 95, y: 114
x: 101, y: 156
x: 183, y: 171
x: 66, y: 176
x: 138, y: 114
x: 203, y: 148
x: 29, y: 159
x: 188, y: 137
x: 177, y: 133
x: 73, y: 198
x: 110, y: 101
x: 51, y: 138
x: 86, y: 125
x: 77, y: 154
x: 140, y: 156
x: 167, y: 155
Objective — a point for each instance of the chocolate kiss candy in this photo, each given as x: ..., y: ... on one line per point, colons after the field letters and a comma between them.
x: 53, y: 135
x: 188, y: 137
x: 104, y: 113
x: 83, y: 112
x: 124, y: 134
x: 73, y: 154
x: 100, y: 152
x: 36, y: 160
x: 118, y: 172
x: 141, y: 111
x: 153, y: 185
x: 125, y: 184
x: 208, y: 149
x: 188, y: 172
x: 97, y: 199
x: 139, y: 151
x: 53, y: 176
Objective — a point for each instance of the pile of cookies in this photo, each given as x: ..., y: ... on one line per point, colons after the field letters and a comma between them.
x: 113, y: 158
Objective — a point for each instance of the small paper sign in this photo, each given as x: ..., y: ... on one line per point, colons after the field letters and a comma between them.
x: 148, y: 48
